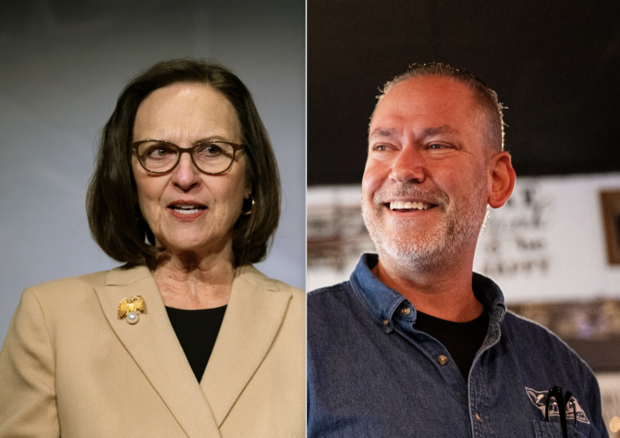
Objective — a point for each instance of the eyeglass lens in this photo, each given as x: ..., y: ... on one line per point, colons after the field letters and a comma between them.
x: 212, y: 157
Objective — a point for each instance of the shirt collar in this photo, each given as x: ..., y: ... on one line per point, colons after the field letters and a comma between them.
x: 381, y: 301
x: 491, y: 297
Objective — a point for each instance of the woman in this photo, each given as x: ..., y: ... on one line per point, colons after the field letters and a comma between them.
x: 186, y: 194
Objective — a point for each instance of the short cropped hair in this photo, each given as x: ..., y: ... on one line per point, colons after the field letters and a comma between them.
x: 491, y: 112
x: 114, y: 215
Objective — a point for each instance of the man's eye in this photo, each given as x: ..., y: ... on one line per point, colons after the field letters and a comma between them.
x: 438, y: 146
x: 380, y: 147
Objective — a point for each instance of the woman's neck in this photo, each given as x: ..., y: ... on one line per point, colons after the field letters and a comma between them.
x: 187, y: 280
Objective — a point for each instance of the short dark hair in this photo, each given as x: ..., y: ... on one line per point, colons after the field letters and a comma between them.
x: 114, y: 215
x: 491, y: 110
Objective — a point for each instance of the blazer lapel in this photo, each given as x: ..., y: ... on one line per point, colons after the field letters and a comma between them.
x: 253, y: 317
x: 154, y: 346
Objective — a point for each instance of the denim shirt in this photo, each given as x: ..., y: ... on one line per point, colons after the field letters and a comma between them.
x: 372, y: 374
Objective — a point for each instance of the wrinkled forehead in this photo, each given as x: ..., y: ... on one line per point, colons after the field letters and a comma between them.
x: 426, y: 97
x: 192, y: 109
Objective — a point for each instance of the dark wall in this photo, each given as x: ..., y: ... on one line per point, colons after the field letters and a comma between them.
x: 555, y: 65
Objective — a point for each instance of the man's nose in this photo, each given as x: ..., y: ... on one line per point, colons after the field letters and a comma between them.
x: 409, y: 165
x: 186, y: 175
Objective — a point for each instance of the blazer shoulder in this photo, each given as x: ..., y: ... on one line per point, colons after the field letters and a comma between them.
x: 252, y: 275
x: 58, y: 293
x: 64, y: 285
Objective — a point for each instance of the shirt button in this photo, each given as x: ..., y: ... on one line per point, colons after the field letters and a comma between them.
x: 442, y: 359
x: 386, y: 322
x: 479, y: 418
x: 405, y: 311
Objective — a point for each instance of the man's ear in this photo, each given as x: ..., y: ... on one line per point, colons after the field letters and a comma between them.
x: 502, y: 179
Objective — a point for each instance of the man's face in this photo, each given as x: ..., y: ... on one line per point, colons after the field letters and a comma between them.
x: 425, y: 187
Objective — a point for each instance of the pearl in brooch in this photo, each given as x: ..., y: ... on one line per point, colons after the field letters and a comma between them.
x: 132, y: 317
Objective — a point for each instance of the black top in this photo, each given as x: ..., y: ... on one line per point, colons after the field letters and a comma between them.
x: 461, y: 339
x: 197, y: 331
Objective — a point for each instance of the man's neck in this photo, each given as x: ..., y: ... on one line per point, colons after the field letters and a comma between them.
x: 444, y: 292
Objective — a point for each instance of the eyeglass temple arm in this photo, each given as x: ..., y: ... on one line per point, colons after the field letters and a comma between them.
x: 567, y: 400
x: 561, y: 401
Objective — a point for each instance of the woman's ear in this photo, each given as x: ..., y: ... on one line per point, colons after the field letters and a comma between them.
x: 502, y: 179
x: 247, y: 191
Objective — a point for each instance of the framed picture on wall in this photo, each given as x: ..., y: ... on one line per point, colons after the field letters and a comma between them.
x: 610, y: 201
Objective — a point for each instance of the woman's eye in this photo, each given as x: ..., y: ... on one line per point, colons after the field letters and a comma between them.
x: 213, y: 150
x: 209, y: 150
x: 158, y: 152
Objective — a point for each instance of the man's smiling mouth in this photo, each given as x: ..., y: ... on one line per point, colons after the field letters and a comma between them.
x: 408, y: 206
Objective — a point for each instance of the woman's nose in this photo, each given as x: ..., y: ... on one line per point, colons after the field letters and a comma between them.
x: 186, y: 175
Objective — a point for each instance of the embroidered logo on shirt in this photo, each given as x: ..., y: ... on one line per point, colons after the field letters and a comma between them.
x: 539, y: 399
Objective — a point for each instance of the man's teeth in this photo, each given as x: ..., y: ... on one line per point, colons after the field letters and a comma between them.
x: 400, y: 205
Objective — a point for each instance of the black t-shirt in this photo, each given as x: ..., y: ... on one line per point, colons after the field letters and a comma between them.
x: 461, y: 339
x: 197, y: 331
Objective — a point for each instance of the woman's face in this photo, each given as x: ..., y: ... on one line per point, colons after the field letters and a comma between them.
x: 185, y: 114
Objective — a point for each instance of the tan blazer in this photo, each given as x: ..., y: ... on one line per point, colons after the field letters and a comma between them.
x: 71, y: 367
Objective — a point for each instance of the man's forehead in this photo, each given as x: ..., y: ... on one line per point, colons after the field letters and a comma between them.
x: 443, y: 99
x: 431, y: 131
x: 434, y: 84
x: 427, y: 89
x: 382, y: 132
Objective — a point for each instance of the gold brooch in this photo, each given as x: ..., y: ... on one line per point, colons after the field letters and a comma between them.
x: 130, y: 308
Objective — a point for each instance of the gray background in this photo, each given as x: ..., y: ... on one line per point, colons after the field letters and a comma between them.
x: 62, y: 66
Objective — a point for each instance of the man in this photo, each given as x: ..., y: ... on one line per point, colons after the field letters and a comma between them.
x: 415, y: 345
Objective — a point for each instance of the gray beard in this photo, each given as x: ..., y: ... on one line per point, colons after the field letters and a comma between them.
x: 444, y: 243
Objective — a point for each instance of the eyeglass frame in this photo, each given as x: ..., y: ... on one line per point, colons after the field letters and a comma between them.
x: 561, y: 400
x: 236, y: 147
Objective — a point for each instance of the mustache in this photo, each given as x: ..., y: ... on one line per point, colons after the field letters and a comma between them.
x: 430, y: 196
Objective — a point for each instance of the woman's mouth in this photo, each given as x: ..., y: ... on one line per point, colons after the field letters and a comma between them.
x: 186, y: 211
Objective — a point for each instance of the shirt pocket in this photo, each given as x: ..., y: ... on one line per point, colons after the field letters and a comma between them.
x: 544, y: 429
